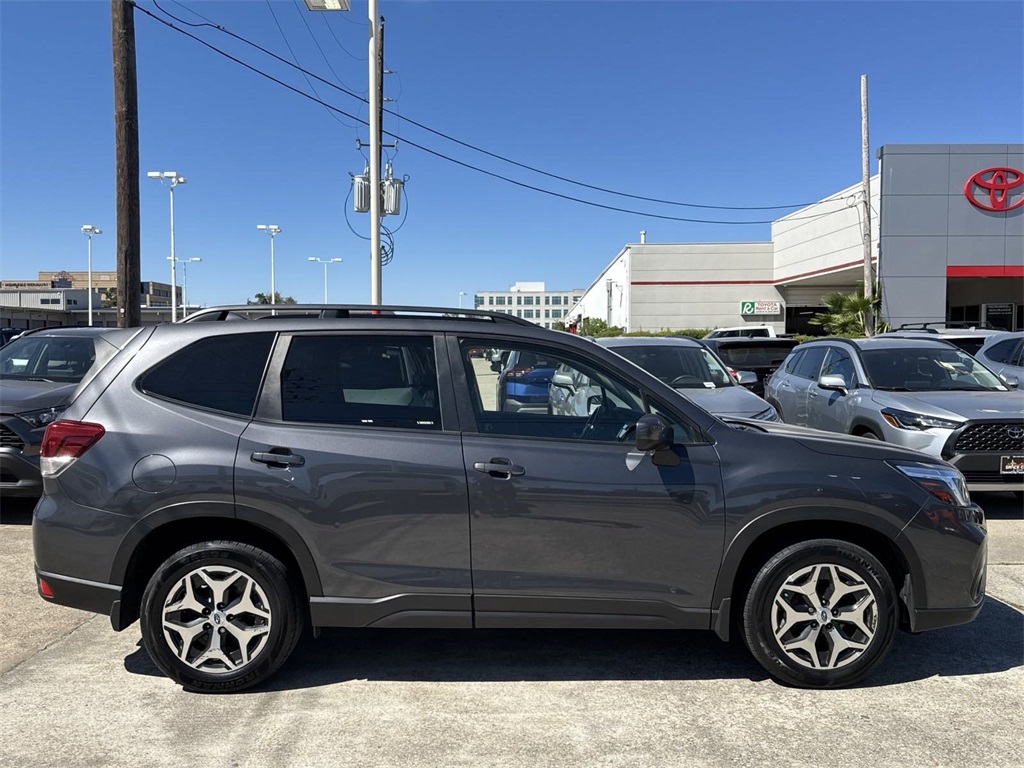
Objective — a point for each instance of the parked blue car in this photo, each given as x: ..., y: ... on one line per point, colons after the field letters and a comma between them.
x: 524, y: 382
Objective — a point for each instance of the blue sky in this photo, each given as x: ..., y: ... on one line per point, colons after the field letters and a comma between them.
x: 721, y: 103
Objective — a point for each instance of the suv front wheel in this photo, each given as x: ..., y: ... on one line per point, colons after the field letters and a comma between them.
x: 220, y: 616
x: 820, y: 614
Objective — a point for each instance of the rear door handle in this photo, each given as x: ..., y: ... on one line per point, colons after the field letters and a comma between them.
x: 278, y: 460
x: 500, y: 468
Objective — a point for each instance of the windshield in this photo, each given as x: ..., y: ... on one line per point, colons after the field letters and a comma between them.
x: 928, y: 370
x: 48, y: 358
x: 679, y: 367
x: 749, y: 356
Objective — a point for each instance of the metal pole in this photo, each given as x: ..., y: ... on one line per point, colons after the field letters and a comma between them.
x: 174, y: 261
x: 273, y: 290
x: 90, y: 281
x: 375, y: 154
x: 865, y: 151
x: 325, y: 282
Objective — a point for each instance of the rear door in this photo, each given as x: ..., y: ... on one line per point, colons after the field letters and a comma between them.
x: 570, y: 525
x: 356, y: 448
x: 783, y: 390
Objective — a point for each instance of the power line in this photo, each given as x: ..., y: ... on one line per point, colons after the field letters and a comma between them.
x: 331, y: 30
x: 441, y: 155
x: 502, y: 158
x: 308, y: 81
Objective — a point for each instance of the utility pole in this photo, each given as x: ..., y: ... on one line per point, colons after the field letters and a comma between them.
x: 865, y: 152
x: 126, y: 151
x: 376, y: 98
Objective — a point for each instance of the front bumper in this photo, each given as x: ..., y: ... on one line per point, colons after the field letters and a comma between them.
x: 982, y: 471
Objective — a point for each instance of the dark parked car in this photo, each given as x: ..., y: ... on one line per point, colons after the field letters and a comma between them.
x: 39, y: 371
x: 760, y: 355
x: 233, y: 483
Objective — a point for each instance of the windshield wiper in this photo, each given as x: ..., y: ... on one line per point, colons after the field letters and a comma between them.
x: 895, y: 389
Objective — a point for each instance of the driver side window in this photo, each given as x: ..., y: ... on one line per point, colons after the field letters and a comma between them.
x: 547, y: 393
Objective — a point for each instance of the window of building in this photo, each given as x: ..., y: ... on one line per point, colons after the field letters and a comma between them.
x: 528, y: 301
x: 547, y: 299
x: 222, y: 373
x: 547, y: 313
x: 367, y: 381
x: 528, y: 314
x: 499, y: 300
x: 565, y: 300
x: 490, y: 301
x: 519, y: 313
x: 478, y: 301
x: 49, y: 301
x: 556, y: 313
x: 519, y: 300
x: 576, y: 299
x: 556, y: 300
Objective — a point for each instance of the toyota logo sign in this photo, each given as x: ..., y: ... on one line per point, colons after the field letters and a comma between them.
x: 996, y: 189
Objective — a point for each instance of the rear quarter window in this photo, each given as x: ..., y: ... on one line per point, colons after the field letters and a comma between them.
x: 222, y: 373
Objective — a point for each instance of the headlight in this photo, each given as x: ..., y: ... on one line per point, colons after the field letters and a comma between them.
x: 943, y: 482
x: 768, y: 414
x: 41, y: 417
x: 909, y: 420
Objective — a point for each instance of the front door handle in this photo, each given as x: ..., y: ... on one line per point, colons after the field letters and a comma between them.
x: 278, y: 460
x: 500, y: 468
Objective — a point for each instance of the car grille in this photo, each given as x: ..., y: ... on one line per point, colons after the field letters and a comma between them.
x: 990, y: 437
x: 10, y: 439
x: 991, y: 477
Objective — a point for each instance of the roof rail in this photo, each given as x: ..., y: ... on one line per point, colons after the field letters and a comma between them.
x: 933, y: 327
x: 342, y: 311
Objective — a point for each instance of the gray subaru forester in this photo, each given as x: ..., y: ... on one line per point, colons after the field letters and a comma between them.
x: 231, y: 484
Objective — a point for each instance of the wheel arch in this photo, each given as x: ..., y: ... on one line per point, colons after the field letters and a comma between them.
x: 162, y: 534
x: 861, y: 425
x: 769, y: 534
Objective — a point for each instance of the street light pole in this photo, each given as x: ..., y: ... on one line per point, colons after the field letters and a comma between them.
x: 325, y: 262
x: 184, y: 284
x: 89, y: 230
x: 171, y: 179
x: 461, y: 294
x: 273, y: 230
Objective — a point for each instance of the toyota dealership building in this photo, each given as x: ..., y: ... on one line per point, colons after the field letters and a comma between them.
x: 948, y: 244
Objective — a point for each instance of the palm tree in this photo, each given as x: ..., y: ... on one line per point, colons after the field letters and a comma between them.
x: 847, y: 312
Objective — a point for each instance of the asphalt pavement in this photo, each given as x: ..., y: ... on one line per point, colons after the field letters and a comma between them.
x: 75, y: 693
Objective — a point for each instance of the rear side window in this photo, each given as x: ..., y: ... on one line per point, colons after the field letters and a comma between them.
x: 794, y: 361
x: 1003, y: 351
x: 810, y: 363
x: 369, y: 381
x: 222, y: 373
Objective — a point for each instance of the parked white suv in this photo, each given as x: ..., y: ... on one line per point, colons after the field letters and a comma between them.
x: 750, y: 331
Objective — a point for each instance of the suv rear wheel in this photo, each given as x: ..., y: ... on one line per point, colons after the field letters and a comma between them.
x: 220, y: 616
x: 820, y: 614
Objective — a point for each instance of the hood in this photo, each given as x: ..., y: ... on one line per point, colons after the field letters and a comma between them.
x: 19, y: 396
x: 726, y: 401
x: 833, y: 443
x: 958, y: 406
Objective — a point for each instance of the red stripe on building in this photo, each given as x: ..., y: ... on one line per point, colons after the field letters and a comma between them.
x: 985, y: 270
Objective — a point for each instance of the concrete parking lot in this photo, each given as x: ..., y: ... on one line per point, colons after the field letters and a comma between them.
x: 74, y: 693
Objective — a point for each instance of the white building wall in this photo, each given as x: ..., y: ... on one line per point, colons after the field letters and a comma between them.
x: 825, y: 236
x: 701, y: 285
x: 612, y: 305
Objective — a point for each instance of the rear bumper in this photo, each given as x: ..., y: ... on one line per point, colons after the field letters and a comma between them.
x: 82, y: 594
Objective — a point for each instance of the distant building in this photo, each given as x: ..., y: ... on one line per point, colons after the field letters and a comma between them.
x: 154, y: 294
x: 530, y: 301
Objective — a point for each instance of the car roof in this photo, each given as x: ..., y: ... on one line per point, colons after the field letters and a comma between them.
x: 886, y: 341
x: 735, y: 341
x: 69, y: 330
x: 648, y: 341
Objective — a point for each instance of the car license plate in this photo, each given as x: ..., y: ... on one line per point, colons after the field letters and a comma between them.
x: 1011, y: 465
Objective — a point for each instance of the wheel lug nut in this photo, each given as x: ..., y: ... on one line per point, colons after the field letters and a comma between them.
x: 206, y: 626
x: 221, y: 630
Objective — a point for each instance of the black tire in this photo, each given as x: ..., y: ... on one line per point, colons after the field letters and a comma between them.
x: 263, y: 582
x: 869, y: 435
x: 827, y: 667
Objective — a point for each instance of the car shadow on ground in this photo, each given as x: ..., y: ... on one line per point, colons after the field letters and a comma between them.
x: 994, y: 642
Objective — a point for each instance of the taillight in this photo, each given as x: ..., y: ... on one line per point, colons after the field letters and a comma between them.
x: 516, y: 373
x: 65, y: 441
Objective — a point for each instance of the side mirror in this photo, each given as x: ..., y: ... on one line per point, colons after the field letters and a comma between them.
x: 746, y: 378
x: 1010, y: 381
x: 653, y: 434
x: 834, y: 383
x: 561, y: 379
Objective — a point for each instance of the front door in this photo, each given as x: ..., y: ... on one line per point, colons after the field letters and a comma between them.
x: 571, y: 526
x: 354, y: 449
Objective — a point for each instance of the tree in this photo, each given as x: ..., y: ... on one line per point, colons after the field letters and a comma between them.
x: 847, y: 312
x: 264, y: 298
x: 592, y: 326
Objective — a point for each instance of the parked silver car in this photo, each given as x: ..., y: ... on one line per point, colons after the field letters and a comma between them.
x: 684, y: 364
x: 1003, y: 353
x: 921, y: 393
